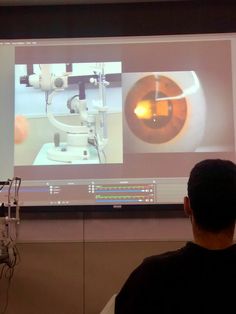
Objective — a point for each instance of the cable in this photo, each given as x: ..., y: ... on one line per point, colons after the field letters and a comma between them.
x: 7, y: 240
x: 7, y: 272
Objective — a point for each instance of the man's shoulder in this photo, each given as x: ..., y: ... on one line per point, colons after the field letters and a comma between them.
x: 160, y: 265
x: 165, y: 257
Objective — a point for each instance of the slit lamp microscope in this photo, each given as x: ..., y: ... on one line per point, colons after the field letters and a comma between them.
x: 90, y: 135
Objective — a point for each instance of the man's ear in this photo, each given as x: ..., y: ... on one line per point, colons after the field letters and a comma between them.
x: 187, y: 207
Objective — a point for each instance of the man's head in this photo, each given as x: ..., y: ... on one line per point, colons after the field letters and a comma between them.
x: 212, y: 194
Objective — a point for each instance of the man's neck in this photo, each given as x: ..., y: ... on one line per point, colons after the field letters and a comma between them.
x: 213, y: 240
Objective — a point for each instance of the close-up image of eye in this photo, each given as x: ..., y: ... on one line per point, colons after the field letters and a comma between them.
x: 164, y: 112
x: 154, y: 110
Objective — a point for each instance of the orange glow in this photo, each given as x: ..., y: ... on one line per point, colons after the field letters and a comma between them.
x: 162, y: 108
x: 144, y: 115
x: 21, y: 129
x: 143, y: 109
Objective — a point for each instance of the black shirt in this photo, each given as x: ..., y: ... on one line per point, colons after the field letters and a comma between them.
x: 189, y: 280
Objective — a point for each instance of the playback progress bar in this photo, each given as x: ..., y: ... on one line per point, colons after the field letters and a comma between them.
x: 123, y: 193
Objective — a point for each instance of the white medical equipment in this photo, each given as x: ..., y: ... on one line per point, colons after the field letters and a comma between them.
x: 85, y: 140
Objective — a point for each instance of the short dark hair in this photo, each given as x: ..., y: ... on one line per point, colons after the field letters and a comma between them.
x: 212, y: 194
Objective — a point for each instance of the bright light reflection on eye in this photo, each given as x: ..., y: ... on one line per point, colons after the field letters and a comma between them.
x: 143, y: 110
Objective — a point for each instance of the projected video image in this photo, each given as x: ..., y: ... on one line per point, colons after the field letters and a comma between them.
x: 68, y: 113
x: 172, y: 112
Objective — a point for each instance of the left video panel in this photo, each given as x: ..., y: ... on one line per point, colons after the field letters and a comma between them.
x: 68, y: 113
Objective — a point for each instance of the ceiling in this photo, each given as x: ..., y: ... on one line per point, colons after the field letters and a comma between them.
x: 68, y: 2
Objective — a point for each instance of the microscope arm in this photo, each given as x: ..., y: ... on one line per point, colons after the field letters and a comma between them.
x: 59, y: 125
x: 65, y: 127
